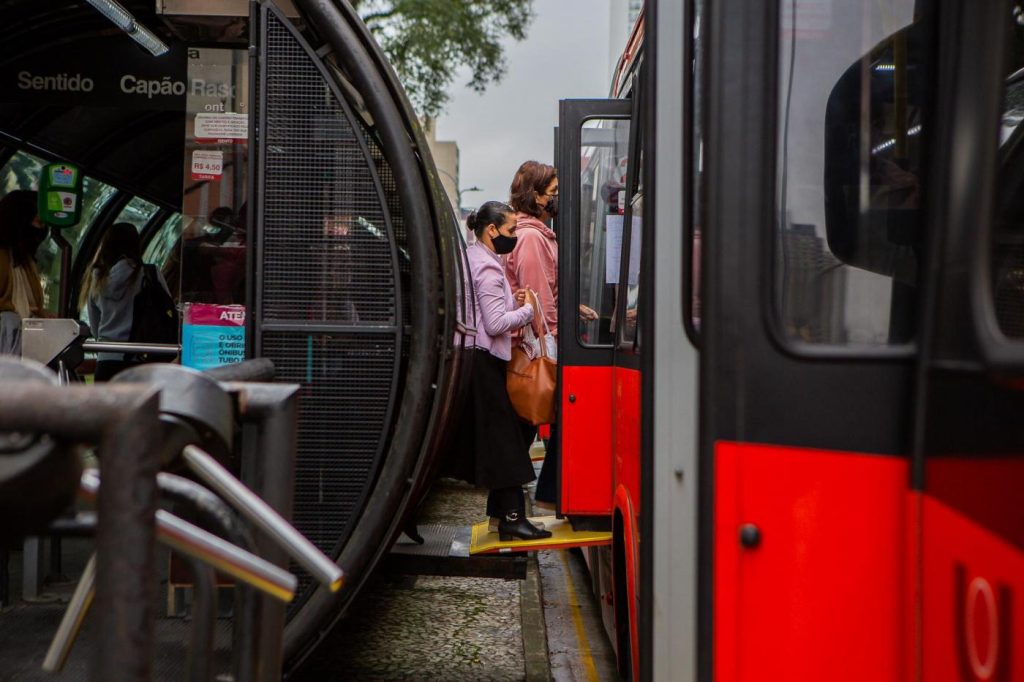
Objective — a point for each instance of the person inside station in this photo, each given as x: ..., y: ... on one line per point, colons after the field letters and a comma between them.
x: 491, y: 451
x: 213, y: 247
x: 21, y: 292
x: 114, y: 279
x: 227, y: 272
x: 336, y: 267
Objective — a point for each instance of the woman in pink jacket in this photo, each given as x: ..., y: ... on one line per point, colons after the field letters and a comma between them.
x: 533, y: 264
x: 490, y: 449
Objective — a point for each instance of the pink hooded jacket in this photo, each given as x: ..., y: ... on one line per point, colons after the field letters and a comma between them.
x: 533, y: 264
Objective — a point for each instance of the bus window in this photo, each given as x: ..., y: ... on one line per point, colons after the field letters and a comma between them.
x: 849, y: 238
x: 1008, y: 234
x: 603, y: 161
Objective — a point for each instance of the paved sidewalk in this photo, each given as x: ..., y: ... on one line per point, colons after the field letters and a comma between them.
x: 430, y: 628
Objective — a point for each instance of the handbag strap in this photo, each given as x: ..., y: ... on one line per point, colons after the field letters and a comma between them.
x: 539, y: 312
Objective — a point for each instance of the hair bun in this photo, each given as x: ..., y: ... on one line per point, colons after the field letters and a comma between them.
x: 472, y: 220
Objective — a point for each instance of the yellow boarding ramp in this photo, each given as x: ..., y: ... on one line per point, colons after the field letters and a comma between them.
x: 562, y: 537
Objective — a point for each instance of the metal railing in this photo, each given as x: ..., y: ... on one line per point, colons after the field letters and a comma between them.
x: 132, y: 422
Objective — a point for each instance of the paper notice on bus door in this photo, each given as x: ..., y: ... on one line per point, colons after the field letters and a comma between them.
x: 613, y: 250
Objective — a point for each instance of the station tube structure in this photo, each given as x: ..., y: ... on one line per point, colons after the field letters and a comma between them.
x: 355, y: 269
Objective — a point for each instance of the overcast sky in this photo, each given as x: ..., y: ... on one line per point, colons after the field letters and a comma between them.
x: 565, y: 55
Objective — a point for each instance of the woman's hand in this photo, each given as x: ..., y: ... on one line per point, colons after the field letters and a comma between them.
x: 520, y: 297
x: 587, y: 314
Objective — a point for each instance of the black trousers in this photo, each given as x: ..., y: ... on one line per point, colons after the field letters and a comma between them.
x: 501, y: 501
x: 547, y: 482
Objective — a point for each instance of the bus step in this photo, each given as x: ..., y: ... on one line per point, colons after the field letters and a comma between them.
x: 562, y: 537
x: 445, y: 552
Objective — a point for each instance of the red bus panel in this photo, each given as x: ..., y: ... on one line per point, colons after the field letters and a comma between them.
x: 626, y: 453
x: 972, y: 586
x: 824, y: 595
x: 586, y: 433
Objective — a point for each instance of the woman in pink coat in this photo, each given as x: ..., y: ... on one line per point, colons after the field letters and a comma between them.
x: 533, y: 264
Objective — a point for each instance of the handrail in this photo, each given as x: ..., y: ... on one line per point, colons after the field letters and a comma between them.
x: 71, y: 623
x: 193, y: 541
x: 262, y: 515
x: 93, y: 346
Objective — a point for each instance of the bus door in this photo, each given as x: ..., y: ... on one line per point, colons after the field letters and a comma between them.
x: 816, y: 193
x: 592, y: 160
x: 631, y: 300
x: 969, y: 440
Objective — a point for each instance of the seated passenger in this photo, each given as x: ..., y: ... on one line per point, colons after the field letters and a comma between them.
x: 490, y: 449
x: 114, y: 281
x: 21, y: 294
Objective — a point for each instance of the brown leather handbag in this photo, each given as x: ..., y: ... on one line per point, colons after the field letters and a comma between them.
x: 531, y: 382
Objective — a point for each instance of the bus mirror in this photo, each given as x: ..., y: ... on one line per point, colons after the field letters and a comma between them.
x: 872, y: 204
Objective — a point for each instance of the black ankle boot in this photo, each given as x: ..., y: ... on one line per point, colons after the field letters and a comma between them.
x: 515, y: 525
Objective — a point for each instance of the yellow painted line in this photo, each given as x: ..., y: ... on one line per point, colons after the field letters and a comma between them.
x: 577, y: 619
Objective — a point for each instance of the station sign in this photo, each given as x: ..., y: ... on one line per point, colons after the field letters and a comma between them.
x: 212, y: 335
x: 60, y: 195
x: 109, y: 71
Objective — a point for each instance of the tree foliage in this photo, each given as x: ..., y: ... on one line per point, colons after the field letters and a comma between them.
x: 427, y: 41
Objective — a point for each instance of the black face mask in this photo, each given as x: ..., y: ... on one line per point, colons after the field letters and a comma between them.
x: 552, y: 207
x: 503, y: 244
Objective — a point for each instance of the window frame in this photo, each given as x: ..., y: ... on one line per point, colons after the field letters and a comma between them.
x: 693, y: 77
x: 999, y: 351
x: 577, y: 256
x: 772, y: 316
x: 633, y: 193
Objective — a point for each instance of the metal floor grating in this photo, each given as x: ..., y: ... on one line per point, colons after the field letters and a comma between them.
x: 445, y: 552
x: 438, y: 540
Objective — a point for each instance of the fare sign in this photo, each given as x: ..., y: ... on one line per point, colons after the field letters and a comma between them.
x: 207, y: 165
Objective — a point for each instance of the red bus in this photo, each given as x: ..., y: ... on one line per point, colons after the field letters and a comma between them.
x: 802, y: 225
